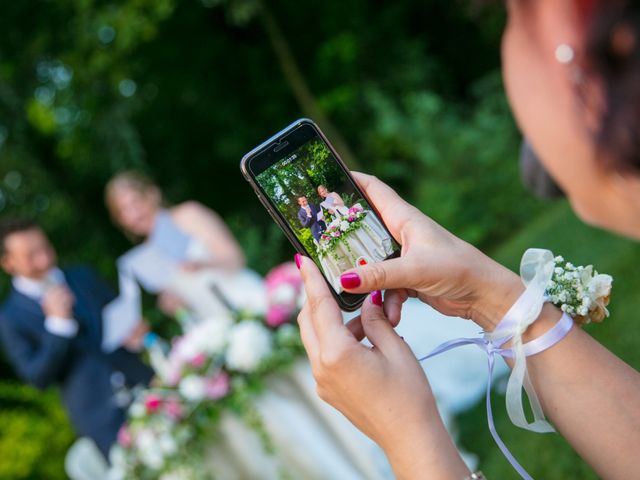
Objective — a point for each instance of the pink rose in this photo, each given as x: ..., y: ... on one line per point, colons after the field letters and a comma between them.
x: 278, y: 314
x: 152, y: 402
x: 174, y: 409
x: 218, y: 386
x: 124, y: 436
x: 199, y: 360
x: 284, y: 273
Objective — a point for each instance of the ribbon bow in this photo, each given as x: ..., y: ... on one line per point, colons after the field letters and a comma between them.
x: 536, y: 270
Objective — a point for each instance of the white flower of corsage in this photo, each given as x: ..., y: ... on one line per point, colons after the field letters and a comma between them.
x: 581, y: 292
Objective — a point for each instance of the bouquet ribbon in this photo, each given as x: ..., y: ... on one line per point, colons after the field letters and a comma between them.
x: 536, y: 270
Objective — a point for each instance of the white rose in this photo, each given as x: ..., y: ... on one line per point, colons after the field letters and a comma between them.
x: 284, y: 294
x: 249, y: 344
x: 148, y: 449
x: 344, y: 226
x: 137, y: 410
x: 209, y: 336
x: 600, y: 286
x: 216, y: 333
x: 192, y: 388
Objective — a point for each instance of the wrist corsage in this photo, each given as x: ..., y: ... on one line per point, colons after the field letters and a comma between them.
x: 581, y: 292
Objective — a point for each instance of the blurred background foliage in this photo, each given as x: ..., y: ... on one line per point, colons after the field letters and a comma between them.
x: 407, y: 90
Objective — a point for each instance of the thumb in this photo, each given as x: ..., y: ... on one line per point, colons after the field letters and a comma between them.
x: 377, y: 276
x: 376, y: 325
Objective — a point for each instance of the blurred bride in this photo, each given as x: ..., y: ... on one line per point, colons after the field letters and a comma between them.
x: 187, y: 256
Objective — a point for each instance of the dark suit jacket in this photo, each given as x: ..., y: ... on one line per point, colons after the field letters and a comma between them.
x: 78, y: 365
x: 316, y: 227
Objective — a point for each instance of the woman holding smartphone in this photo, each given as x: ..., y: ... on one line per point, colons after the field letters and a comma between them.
x: 572, y: 75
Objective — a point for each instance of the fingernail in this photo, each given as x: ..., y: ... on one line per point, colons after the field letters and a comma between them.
x: 350, y: 280
x: 298, y: 258
x: 376, y: 297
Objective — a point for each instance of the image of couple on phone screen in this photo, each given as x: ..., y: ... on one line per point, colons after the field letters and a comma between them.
x: 337, y: 227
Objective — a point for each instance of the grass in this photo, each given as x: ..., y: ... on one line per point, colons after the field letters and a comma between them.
x: 548, y: 455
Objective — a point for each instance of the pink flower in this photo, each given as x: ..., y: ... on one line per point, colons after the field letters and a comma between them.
x: 173, y: 408
x: 284, y: 273
x: 218, y: 386
x: 152, y: 402
x: 124, y: 436
x: 284, y: 285
x: 199, y: 360
x: 278, y: 314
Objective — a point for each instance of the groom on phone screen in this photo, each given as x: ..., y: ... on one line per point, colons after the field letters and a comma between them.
x: 51, y: 331
x: 310, y: 217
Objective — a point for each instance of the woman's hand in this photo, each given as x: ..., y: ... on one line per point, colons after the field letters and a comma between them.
x: 436, y: 266
x: 382, y: 390
x: 170, y: 304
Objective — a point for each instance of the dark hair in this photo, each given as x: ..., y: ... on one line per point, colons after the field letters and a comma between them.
x: 613, y: 58
x: 9, y: 226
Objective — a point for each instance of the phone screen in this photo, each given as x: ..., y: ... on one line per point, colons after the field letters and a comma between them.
x: 321, y: 205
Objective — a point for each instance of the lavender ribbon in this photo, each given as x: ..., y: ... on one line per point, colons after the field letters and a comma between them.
x: 550, y: 338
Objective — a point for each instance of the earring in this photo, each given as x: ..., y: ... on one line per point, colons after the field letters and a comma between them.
x: 565, y: 54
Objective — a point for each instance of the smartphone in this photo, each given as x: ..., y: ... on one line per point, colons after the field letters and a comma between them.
x: 309, y: 192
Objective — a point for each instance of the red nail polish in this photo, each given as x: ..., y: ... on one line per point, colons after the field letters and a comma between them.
x: 376, y: 297
x: 350, y: 280
x: 298, y: 258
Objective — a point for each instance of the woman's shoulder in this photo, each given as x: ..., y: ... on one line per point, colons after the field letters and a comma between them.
x: 191, y: 214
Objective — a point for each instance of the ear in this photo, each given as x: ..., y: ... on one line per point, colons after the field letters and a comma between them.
x: 5, y: 262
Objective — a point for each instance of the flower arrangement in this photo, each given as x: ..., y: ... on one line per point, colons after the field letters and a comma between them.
x: 340, y: 227
x: 218, y: 365
x: 580, y: 291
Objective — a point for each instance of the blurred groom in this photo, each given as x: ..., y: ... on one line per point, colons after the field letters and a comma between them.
x: 308, y: 216
x: 51, y: 329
